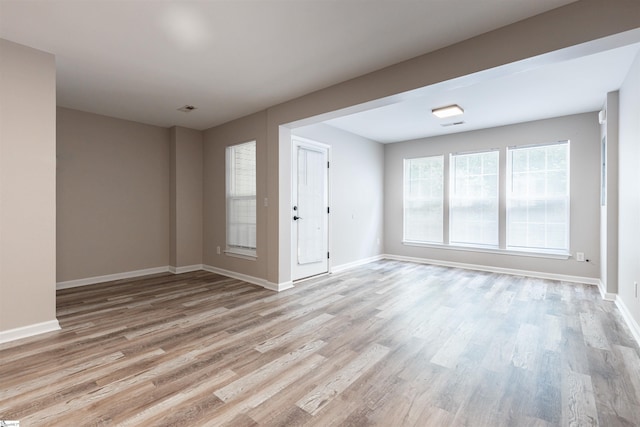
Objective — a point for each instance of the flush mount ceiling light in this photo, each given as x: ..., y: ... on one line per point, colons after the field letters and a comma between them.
x: 448, y: 111
x: 187, y: 108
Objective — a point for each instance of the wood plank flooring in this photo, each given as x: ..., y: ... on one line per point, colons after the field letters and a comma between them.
x: 387, y: 344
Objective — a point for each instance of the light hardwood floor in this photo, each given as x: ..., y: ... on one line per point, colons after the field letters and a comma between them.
x: 389, y: 344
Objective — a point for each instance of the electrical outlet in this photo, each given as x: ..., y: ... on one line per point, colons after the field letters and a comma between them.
x: 218, y: 250
x: 580, y: 256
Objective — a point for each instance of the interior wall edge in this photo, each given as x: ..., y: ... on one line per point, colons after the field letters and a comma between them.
x: 607, y: 296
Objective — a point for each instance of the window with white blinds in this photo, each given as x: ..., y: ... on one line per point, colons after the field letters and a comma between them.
x: 424, y: 199
x: 538, y: 197
x: 473, y: 212
x: 241, y: 198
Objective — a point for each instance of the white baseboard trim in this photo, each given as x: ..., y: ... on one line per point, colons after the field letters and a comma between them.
x: 607, y: 296
x: 628, y: 318
x: 278, y: 287
x: 175, y: 270
x: 110, y: 277
x: 516, y: 272
x: 349, y: 265
x: 28, y: 331
x: 185, y: 269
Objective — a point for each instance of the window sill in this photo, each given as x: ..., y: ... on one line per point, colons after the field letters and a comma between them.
x: 489, y: 250
x: 242, y: 254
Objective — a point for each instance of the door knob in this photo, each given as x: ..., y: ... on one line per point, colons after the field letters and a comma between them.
x: 295, y: 218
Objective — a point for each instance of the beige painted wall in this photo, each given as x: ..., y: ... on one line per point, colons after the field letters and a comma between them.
x: 27, y: 187
x: 629, y: 196
x: 549, y: 32
x: 186, y: 197
x: 113, y: 196
x: 215, y: 142
x: 356, y: 193
x: 583, y: 132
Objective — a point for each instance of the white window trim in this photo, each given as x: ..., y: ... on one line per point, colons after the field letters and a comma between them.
x: 448, y: 197
x: 507, y: 199
x: 248, y: 254
x: 235, y: 251
x: 491, y: 250
x: 502, y: 248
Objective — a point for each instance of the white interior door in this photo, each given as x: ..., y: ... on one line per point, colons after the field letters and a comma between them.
x: 310, y: 209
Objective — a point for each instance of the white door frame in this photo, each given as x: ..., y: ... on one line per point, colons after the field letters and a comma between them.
x: 295, y: 140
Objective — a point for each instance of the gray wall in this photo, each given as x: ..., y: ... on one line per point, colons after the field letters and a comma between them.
x: 629, y: 196
x: 215, y: 142
x: 529, y: 40
x: 186, y: 198
x: 113, y: 196
x: 583, y: 132
x: 27, y: 188
x: 356, y: 193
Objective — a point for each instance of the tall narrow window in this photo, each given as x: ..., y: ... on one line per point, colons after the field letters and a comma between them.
x: 241, y: 199
x: 423, y: 199
x: 474, y: 199
x: 538, y: 197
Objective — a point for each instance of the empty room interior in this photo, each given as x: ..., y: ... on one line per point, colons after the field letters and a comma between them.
x: 394, y: 213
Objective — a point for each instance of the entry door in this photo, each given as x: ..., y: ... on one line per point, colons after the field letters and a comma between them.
x: 310, y: 209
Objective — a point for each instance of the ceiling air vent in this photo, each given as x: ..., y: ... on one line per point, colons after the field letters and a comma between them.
x: 451, y: 124
x: 187, y: 108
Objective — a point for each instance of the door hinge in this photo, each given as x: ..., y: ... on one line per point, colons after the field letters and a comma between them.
x: 327, y: 255
x: 328, y: 210
x: 327, y: 165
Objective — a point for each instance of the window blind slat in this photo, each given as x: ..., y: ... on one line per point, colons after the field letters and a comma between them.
x: 241, y: 196
x: 538, y: 197
x: 424, y: 199
x: 474, y: 204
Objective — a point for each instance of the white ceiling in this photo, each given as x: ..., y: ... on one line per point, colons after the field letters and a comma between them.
x: 557, y: 89
x: 141, y: 60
